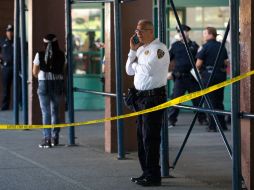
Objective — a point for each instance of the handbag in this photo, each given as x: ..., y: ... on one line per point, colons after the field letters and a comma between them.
x: 130, y: 99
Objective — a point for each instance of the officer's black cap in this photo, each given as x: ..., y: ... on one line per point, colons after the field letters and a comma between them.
x: 184, y: 27
x: 9, y: 28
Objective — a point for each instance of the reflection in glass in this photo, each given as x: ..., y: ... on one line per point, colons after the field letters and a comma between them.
x: 198, y: 18
x: 86, y: 25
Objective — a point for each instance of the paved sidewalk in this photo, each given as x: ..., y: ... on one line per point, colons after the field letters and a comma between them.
x: 204, y: 165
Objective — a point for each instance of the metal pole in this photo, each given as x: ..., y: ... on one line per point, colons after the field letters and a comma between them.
x: 119, y: 91
x: 200, y: 109
x: 95, y: 92
x: 16, y: 63
x: 168, y: 44
x: 70, y: 73
x: 164, y: 130
x: 235, y: 95
x: 246, y: 115
x: 24, y: 62
x: 162, y: 20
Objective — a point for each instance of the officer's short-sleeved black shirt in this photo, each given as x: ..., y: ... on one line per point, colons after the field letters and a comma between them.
x: 179, y: 54
x: 209, y: 52
x: 6, y: 50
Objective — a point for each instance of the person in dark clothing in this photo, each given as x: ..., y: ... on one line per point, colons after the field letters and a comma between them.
x: 183, y: 80
x: 205, y: 64
x: 6, y: 62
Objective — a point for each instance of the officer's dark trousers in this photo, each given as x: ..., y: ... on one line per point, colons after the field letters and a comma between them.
x: 217, y: 98
x: 181, y: 85
x: 7, y: 77
x: 148, y: 135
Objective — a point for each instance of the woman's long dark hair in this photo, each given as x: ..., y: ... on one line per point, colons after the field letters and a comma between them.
x: 51, y: 49
x: 51, y: 58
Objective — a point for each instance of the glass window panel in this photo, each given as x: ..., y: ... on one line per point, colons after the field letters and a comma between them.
x: 194, y: 17
x: 197, y: 36
x: 215, y: 16
x: 198, y: 18
x: 86, y: 24
x: 172, y: 19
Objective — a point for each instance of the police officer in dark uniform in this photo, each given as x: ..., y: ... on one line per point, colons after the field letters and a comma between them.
x: 6, y: 61
x: 205, y: 64
x: 183, y: 80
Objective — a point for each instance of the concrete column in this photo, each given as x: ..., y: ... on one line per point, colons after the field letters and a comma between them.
x: 247, y: 90
x: 131, y: 13
x: 7, y: 17
x: 110, y: 108
x: 44, y: 17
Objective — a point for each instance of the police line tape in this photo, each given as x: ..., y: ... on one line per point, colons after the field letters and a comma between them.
x: 167, y: 104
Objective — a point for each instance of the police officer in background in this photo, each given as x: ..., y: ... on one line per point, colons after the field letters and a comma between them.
x: 148, y: 61
x: 6, y: 61
x: 205, y: 64
x: 183, y: 80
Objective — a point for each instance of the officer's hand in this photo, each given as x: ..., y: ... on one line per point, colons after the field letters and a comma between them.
x: 134, y: 46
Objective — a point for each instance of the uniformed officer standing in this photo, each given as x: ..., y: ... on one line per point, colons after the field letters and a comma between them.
x: 205, y: 63
x: 148, y: 61
x: 183, y: 80
x: 6, y: 60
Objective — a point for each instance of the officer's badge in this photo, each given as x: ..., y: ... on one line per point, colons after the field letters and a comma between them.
x: 160, y: 53
x: 146, y: 52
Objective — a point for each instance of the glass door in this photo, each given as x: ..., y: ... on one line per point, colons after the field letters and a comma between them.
x: 88, y: 38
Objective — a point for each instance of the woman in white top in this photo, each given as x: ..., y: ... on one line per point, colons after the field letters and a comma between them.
x: 49, y: 69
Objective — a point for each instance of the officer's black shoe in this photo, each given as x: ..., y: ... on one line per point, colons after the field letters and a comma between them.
x: 225, y: 128
x: 135, y: 179
x: 149, y: 182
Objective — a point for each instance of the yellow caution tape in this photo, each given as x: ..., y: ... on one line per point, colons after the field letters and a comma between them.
x: 175, y: 101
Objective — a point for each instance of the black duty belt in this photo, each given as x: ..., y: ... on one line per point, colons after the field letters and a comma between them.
x: 153, y: 92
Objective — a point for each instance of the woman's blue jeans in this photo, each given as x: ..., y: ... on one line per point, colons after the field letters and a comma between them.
x: 49, y: 102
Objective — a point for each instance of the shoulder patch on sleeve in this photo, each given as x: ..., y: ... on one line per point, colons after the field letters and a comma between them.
x: 160, y: 53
